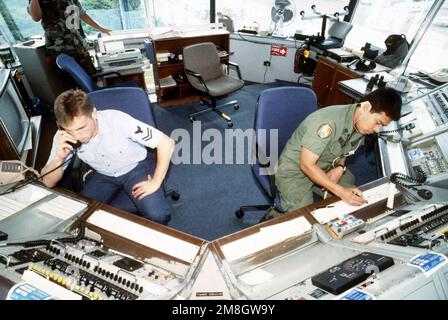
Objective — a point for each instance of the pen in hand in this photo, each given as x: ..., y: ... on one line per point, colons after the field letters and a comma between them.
x: 359, y: 195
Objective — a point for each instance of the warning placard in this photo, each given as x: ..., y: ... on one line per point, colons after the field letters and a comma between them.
x: 279, y: 51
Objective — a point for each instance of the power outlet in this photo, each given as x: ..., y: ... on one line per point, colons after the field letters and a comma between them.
x: 267, y: 63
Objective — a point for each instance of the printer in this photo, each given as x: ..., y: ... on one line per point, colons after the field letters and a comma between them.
x: 120, y: 60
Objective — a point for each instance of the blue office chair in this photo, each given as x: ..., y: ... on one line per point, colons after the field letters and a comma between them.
x: 86, y: 82
x: 134, y: 102
x: 283, y: 109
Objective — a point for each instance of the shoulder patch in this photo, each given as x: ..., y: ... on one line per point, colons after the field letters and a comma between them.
x: 324, y: 131
x: 145, y: 134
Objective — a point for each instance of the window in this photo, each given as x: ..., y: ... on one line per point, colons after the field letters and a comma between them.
x: 16, y: 25
x: 374, y: 21
x: 430, y: 55
x: 258, y: 13
x: 164, y: 13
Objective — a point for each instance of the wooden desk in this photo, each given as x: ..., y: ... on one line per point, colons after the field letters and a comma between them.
x: 136, y: 75
x: 182, y: 93
x: 325, y: 84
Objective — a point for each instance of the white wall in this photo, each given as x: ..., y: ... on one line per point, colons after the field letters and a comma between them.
x: 251, y: 54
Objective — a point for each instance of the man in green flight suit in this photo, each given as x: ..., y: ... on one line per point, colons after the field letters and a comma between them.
x: 315, y: 155
x: 63, y: 31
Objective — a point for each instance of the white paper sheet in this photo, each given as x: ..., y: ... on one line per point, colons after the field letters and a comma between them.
x: 266, y: 237
x: 255, y: 277
x: 341, y: 208
x: 62, y: 207
x: 146, y: 236
x: 14, y: 202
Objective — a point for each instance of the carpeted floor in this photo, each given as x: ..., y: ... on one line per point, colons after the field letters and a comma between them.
x: 211, y: 193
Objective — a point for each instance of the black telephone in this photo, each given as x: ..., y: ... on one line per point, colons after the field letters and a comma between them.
x: 75, y: 145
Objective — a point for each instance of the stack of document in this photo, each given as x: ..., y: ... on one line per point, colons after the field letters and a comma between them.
x: 167, y: 82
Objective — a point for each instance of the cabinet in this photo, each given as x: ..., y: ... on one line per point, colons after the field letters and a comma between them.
x: 325, y: 84
x: 182, y: 93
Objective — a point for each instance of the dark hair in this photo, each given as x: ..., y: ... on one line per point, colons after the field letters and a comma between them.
x: 70, y: 104
x: 385, y: 100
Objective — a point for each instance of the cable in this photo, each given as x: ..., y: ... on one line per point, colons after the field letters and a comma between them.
x: 41, y: 242
x: 398, y: 178
x: 265, y: 71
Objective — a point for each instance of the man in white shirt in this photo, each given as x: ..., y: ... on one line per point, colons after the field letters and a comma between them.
x: 114, y: 145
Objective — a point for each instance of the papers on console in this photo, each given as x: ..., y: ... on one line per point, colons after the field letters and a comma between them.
x: 146, y: 236
x: 62, y: 207
x: 341, y: 208
x: 266, y: 237
x: 14, y: 202
x: 256, y: 276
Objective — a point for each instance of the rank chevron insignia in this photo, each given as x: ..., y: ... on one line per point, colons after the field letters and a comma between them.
x: 148, y: 134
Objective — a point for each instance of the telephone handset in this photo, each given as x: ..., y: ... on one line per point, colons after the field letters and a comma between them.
x: 75, y: 145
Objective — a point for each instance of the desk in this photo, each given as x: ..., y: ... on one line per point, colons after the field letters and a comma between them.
x: 136, y: 75
x: 329, y: 74
x: 325, y: 84
x: 354, y: 88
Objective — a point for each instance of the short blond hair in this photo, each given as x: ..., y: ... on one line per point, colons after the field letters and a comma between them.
x: 70, y: 104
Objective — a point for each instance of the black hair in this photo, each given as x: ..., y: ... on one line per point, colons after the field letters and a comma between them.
x: 385, y: 100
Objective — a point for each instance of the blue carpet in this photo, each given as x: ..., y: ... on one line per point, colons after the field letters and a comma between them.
x: 211, y: 193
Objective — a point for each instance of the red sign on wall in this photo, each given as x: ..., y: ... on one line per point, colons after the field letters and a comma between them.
x: 279, y: 51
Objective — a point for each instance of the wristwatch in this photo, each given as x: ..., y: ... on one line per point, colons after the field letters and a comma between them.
x: 341, y: 165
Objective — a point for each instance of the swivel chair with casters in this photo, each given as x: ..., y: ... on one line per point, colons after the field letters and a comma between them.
x: 281, y: 109
x: 205, y: 73
x: 134, y: 102
x: 86, y: 82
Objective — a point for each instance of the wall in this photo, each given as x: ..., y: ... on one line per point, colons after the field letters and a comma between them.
x: 251, y: 54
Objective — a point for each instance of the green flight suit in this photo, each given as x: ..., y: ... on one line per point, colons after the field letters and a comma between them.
x: 328, y: 133
x: 61, y: 39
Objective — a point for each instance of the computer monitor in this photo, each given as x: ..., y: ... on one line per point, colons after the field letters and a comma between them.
x: 15, y: 125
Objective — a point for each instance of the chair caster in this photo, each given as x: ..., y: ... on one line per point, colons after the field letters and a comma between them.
x: 192, y: 119
x: 175, y: 196
x: 236, y: 106
x: 230, y: 124
x: 239, y: 213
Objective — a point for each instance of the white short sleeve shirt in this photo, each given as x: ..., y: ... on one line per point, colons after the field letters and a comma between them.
x: 118, y: 145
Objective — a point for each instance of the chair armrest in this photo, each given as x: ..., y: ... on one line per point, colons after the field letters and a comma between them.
x: 107, y: 73
x: 199, y: 77
x: 237, y: 67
